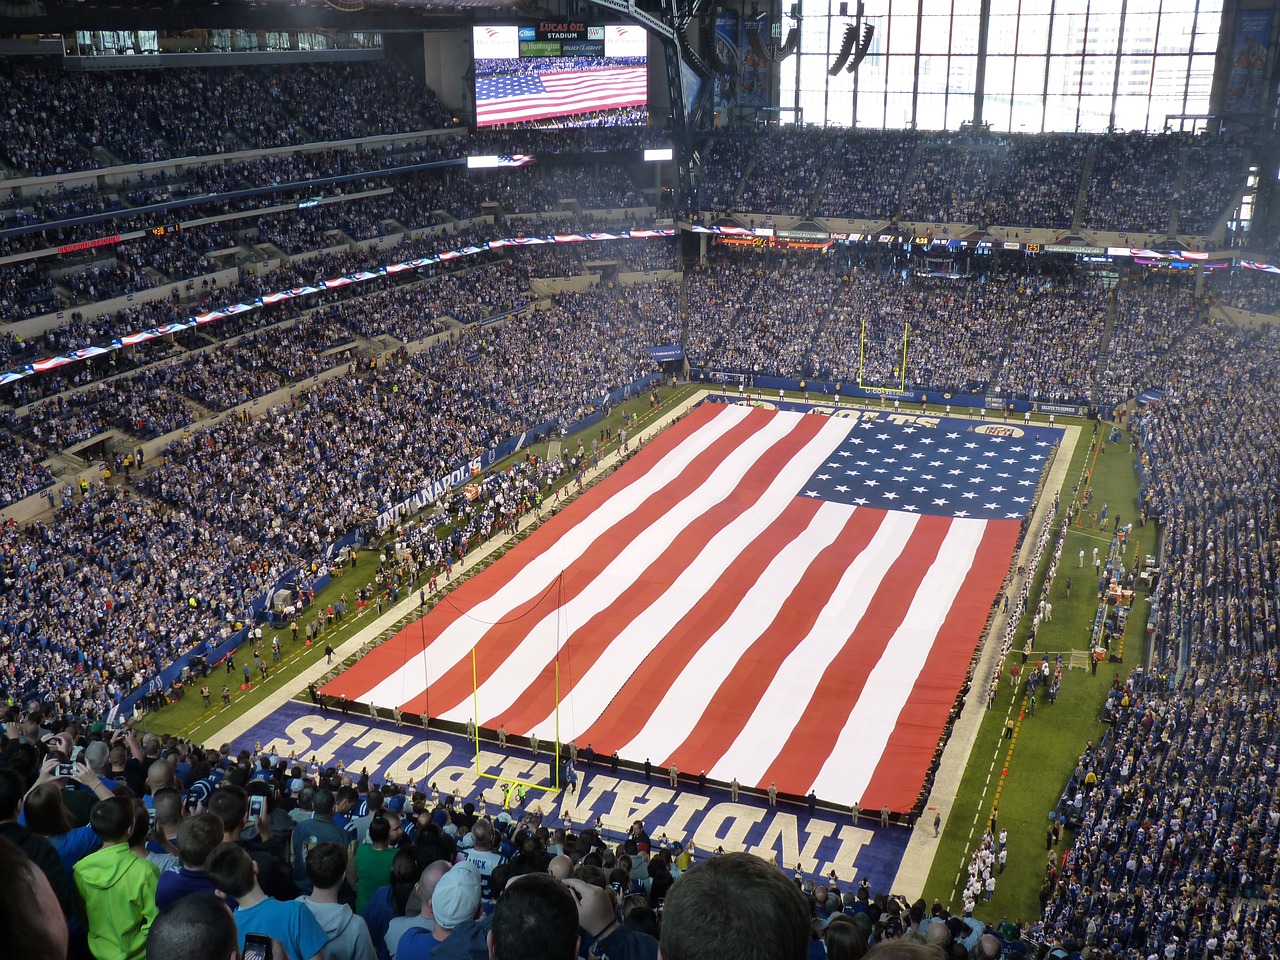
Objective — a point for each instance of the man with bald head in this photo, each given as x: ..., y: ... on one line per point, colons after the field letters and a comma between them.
x: 425, y: 919
x: 561, y: 867
x: 159, y: 776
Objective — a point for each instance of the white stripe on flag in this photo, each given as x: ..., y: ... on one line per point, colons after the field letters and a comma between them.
x: 791, y: 689
x: 637, y: 639
x: 690, y: 692
x: 456, y: 641
x: 860, y: 747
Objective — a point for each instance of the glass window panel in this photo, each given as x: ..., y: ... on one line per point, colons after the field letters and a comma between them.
x: 1068, y: 35
x: 811, y: 104
x: 931, y: 111
x: 1029, y: 76
x: 1064, y: 76
x: 1140, y: 33
x: 933, y: 74
x: 935, y: 34
x: 1099, y: 76
x: 1161, y: 107
x: 999, y: 77
x: 902, y: 34
x: 1060, y: 114
x: 1199, y: 82
x: 1002, y: 33
x: 1176, y: 6
x: 870, y: 107
x: 1207, y: 26
x: 962, y: 76
x: 1033, y: 35
x: 1175, y: 32
x: 1069, y: 7
x: 959, y: 110
x: 1027, y: 115
x: 968, y: 8
x: 813, y: 33
x: 1135, y: 76
x: 901, y: 74
x: 897, y: 111
x: 1131, y: 112
x: 1142, y: 6
x: 964, y: 35
x: 1095, y: 114
x: 996, y: 110
x: 1004, y: 8
x: 1104, y: 32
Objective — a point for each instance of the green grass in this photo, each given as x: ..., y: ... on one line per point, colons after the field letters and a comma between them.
x: 1046, y: 746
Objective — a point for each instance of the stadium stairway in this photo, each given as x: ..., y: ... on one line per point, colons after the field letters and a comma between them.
x: 821, y: 185
x: 1082, y: 195
x: 1104, y: 346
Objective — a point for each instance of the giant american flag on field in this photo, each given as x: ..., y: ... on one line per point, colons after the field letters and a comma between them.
x: 773, y: 596
x: 520, y: 97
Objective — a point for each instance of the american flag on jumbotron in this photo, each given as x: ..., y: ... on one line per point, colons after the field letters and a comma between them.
x: 513, y: 99
x: 773, y: 596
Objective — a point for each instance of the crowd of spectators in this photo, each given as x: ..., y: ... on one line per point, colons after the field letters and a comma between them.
x: 1036, y: 336
x: 142, y: 116
x: 571, y: 259
x: 1176, y: 849
x: 207, y: 848
x: 1150, y: 317
x: 864, y: 178
x: 1055, y: 341
x: 1214, y: 180
x: 1039, y: 182
x: 25, y: 475
x: 948, y: 183
x: 1133, y: 183
x: 1256, y: 290
x: 787, y: 164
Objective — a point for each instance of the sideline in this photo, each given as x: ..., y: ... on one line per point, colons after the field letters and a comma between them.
x: 917, y: 862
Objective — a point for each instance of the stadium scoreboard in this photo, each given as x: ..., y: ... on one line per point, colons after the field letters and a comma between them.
x: 568, y: 38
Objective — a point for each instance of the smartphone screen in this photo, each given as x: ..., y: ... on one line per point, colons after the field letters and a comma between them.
x: 257, y: 947
x: 256, y: 807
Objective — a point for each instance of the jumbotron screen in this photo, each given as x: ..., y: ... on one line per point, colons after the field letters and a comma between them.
x: 561, y: 74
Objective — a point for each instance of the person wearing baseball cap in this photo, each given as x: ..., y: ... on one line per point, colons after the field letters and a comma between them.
x: 455, y: 900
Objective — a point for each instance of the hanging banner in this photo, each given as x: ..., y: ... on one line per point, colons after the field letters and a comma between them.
x: 755, y: 62
x: 727, y: 54
x: 1249, y: 61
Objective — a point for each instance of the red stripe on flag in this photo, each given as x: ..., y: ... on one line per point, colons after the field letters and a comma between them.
x: 737, y: 697
x: 811, y: 741
x: 456, y: 685
x: 911, y: 746
x: 641, y: 694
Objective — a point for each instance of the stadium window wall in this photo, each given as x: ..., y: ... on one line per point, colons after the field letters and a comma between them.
x: 1051, y: 65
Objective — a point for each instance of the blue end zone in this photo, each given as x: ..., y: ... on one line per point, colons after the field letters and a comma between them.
x: 787, y: 834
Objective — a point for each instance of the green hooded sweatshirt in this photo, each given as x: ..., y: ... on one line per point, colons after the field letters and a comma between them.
x: 117, y: 890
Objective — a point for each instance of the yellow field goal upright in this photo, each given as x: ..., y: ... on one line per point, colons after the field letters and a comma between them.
x: 555, y: 785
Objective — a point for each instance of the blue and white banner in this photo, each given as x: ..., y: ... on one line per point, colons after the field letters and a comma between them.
x: 827, y: 841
